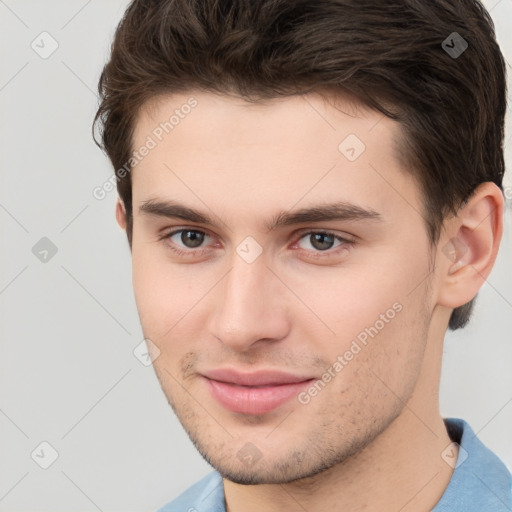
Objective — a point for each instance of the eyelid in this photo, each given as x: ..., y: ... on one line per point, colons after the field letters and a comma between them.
x: 309, y: 231
x: 167, y: 234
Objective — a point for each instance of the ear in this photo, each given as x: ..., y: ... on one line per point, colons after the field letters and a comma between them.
x: 469, y: 245
x: 121, y: 214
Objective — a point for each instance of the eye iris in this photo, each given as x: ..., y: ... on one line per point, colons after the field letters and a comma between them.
x: 192, y: 239
x: 322, y: 241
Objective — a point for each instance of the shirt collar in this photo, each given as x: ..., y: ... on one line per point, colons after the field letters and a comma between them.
x: 480, y: 481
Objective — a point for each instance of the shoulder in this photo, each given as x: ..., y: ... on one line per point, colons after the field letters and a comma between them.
x: 206, y: 494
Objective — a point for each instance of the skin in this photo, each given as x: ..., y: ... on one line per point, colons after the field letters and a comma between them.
x: 372, y: 438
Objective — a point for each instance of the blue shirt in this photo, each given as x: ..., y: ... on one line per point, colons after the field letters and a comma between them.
x: 480, y: 481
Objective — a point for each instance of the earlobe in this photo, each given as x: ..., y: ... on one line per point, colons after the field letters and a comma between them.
x: 121, y: 214
x: 468, y: 249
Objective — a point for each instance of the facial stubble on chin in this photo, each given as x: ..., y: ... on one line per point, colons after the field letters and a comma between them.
x: 301, y: 464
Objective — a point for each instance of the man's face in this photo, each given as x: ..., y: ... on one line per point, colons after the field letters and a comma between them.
x: 341, y: 304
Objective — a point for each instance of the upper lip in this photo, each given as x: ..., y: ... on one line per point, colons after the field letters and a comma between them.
x: 257, y: 378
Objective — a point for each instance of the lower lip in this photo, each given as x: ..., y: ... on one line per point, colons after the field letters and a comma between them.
x: 254, y: 400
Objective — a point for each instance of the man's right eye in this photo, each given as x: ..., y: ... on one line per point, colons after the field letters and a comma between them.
x: 190, y: 238
x: 185, y: 241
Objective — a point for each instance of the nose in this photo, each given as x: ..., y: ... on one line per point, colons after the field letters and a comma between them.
x: 250, y: 306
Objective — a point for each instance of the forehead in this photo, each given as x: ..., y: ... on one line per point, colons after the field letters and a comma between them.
x: 294, y: 121
x: 268, y: 154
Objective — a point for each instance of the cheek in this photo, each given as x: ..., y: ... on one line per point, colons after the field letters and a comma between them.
x: 375, y: 358
x: 169, y: 297
x: 154, y: 288
x: 348, y: 299
x: 377, y: 311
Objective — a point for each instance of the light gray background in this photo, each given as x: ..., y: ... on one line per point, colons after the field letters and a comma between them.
x: 69, y: 326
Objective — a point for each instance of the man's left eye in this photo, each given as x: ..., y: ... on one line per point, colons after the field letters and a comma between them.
x: 321, y: 241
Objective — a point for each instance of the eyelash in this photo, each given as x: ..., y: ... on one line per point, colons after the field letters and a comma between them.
x: 345, y: 243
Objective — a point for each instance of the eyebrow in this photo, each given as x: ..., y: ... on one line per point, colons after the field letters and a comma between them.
x: 324, y: 212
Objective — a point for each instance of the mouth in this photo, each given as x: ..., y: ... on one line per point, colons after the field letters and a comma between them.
x: 254, y: 393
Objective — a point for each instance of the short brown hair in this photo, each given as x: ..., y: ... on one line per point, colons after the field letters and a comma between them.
x: 392, y: 55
